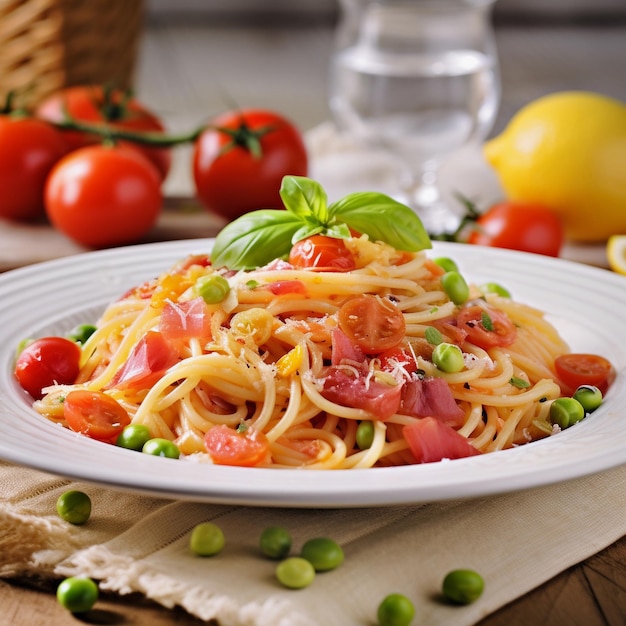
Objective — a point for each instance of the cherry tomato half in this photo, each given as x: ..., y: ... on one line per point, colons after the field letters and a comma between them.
x: 103, y: 196
x: 319, y: 252
x: 519, y: 226
x: 47, y: 361
x: 226, y: 446
x: 230, y: 177
x: 95, y: 414
x: 87, y: 103
x: 576, y: 369
x: 29, y: 149
x: 486, y: 326
x: 374, y: 324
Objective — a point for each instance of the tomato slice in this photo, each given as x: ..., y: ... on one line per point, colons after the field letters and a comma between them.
x: 486, y: 326
x: 322, y: 253
x: 226, y: 446
x: 577, y: 369
x: 374, y: 324
x: 95, y: 414
x: 431, y: 440
x: 47, y: 361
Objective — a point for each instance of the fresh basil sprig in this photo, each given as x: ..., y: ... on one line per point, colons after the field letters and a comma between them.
x: 258, y: 237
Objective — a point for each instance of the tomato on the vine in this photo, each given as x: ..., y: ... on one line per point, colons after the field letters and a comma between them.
x: 97, y: 105
x: 322, y: 253
x: 103, y: 196
x: 519, y: 226
x: 29, y: 148
x: 240, y: 159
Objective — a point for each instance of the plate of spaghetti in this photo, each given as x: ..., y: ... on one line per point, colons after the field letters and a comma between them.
x: 333, y: 368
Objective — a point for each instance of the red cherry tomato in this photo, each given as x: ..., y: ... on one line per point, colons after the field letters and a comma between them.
x: 519, y: 226
x: 29, y: 149
x: 95, y: 414
x: 584, y: 369
x: 486, y: 327
x: 47, y: 361
x: 319, y: 252
x: 374, y: 324
x: 226, y: 446
x: 89, y: 104
x: 103, y: 196
x: 231, y: 178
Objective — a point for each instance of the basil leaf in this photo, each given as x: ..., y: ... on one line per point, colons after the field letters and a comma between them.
x: 255, y: 239
x: 307, y: 230
x: 305, y: 197
x: 383, y: 219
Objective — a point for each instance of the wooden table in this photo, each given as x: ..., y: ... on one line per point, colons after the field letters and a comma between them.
x: 592, y: 593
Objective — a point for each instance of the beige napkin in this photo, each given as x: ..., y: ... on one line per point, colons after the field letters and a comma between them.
x: 138, y: 543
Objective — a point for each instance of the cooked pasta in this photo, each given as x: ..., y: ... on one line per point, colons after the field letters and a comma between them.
x: 290, y: 367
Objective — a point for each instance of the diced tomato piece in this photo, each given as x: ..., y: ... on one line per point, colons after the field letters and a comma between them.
x: 576, y: 369
x: 226, y: 446
x: 147, y: 362
x: 431, y: 440
x: 361, y: 392
x: 185, y: 320
x: 397, y: 357
x: 95, y: 414
x: 431, y: 397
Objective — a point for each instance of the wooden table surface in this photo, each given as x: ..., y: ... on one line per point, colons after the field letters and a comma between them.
x: 592, y: 593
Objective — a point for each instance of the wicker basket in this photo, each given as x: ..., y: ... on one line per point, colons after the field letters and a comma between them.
x: 46, y: 45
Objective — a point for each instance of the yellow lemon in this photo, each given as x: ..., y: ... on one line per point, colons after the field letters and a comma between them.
x: 616, y: 253
x: 567, y: 151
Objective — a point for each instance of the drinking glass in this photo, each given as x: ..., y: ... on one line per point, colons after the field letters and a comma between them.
x: 420, y: 79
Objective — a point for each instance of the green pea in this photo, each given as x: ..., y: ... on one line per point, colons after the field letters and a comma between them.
x: 295, y: 573
x: 448, y: 357
x: 323, y: 553
x: 463, y: 586
x: 77, y: 594
x: 82, y: 332
x: 161, y: 447
x: 566, y: 412
x: 455, y: 287
x: 74, y: 507
x: 133, y: 437
x: 495, y: 288
x: 589, y: 396
x: 365, y: 435
x: 212, y: 288
x: 446, y: 263
x: 395, y: 610
x: 206, y: 539
x: 275, y: 542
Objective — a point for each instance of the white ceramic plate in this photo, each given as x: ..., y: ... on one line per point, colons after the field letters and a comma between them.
x: 586, y: 303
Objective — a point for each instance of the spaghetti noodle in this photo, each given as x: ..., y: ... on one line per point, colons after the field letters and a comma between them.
x: 276, y: 373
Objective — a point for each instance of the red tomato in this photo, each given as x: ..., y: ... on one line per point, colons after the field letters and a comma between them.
x: 230, y: 177
x: 147, y: 362
x: 584, y: 369
x: 319, y: 252
x: 374, y: 324
x: 486, y: 327
x: 28, y: 150
x: 89, y: 104
x: 226, y: 446
x: 46, y: 362
x: 95, y: 414
x: 519, y: 226
x: 103, y: 196
x: 431, y: 440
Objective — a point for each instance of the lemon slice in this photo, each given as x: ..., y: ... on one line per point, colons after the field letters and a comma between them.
x: 616, y: 253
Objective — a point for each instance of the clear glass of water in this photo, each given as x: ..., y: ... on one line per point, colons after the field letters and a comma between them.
x: 420, y: 79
